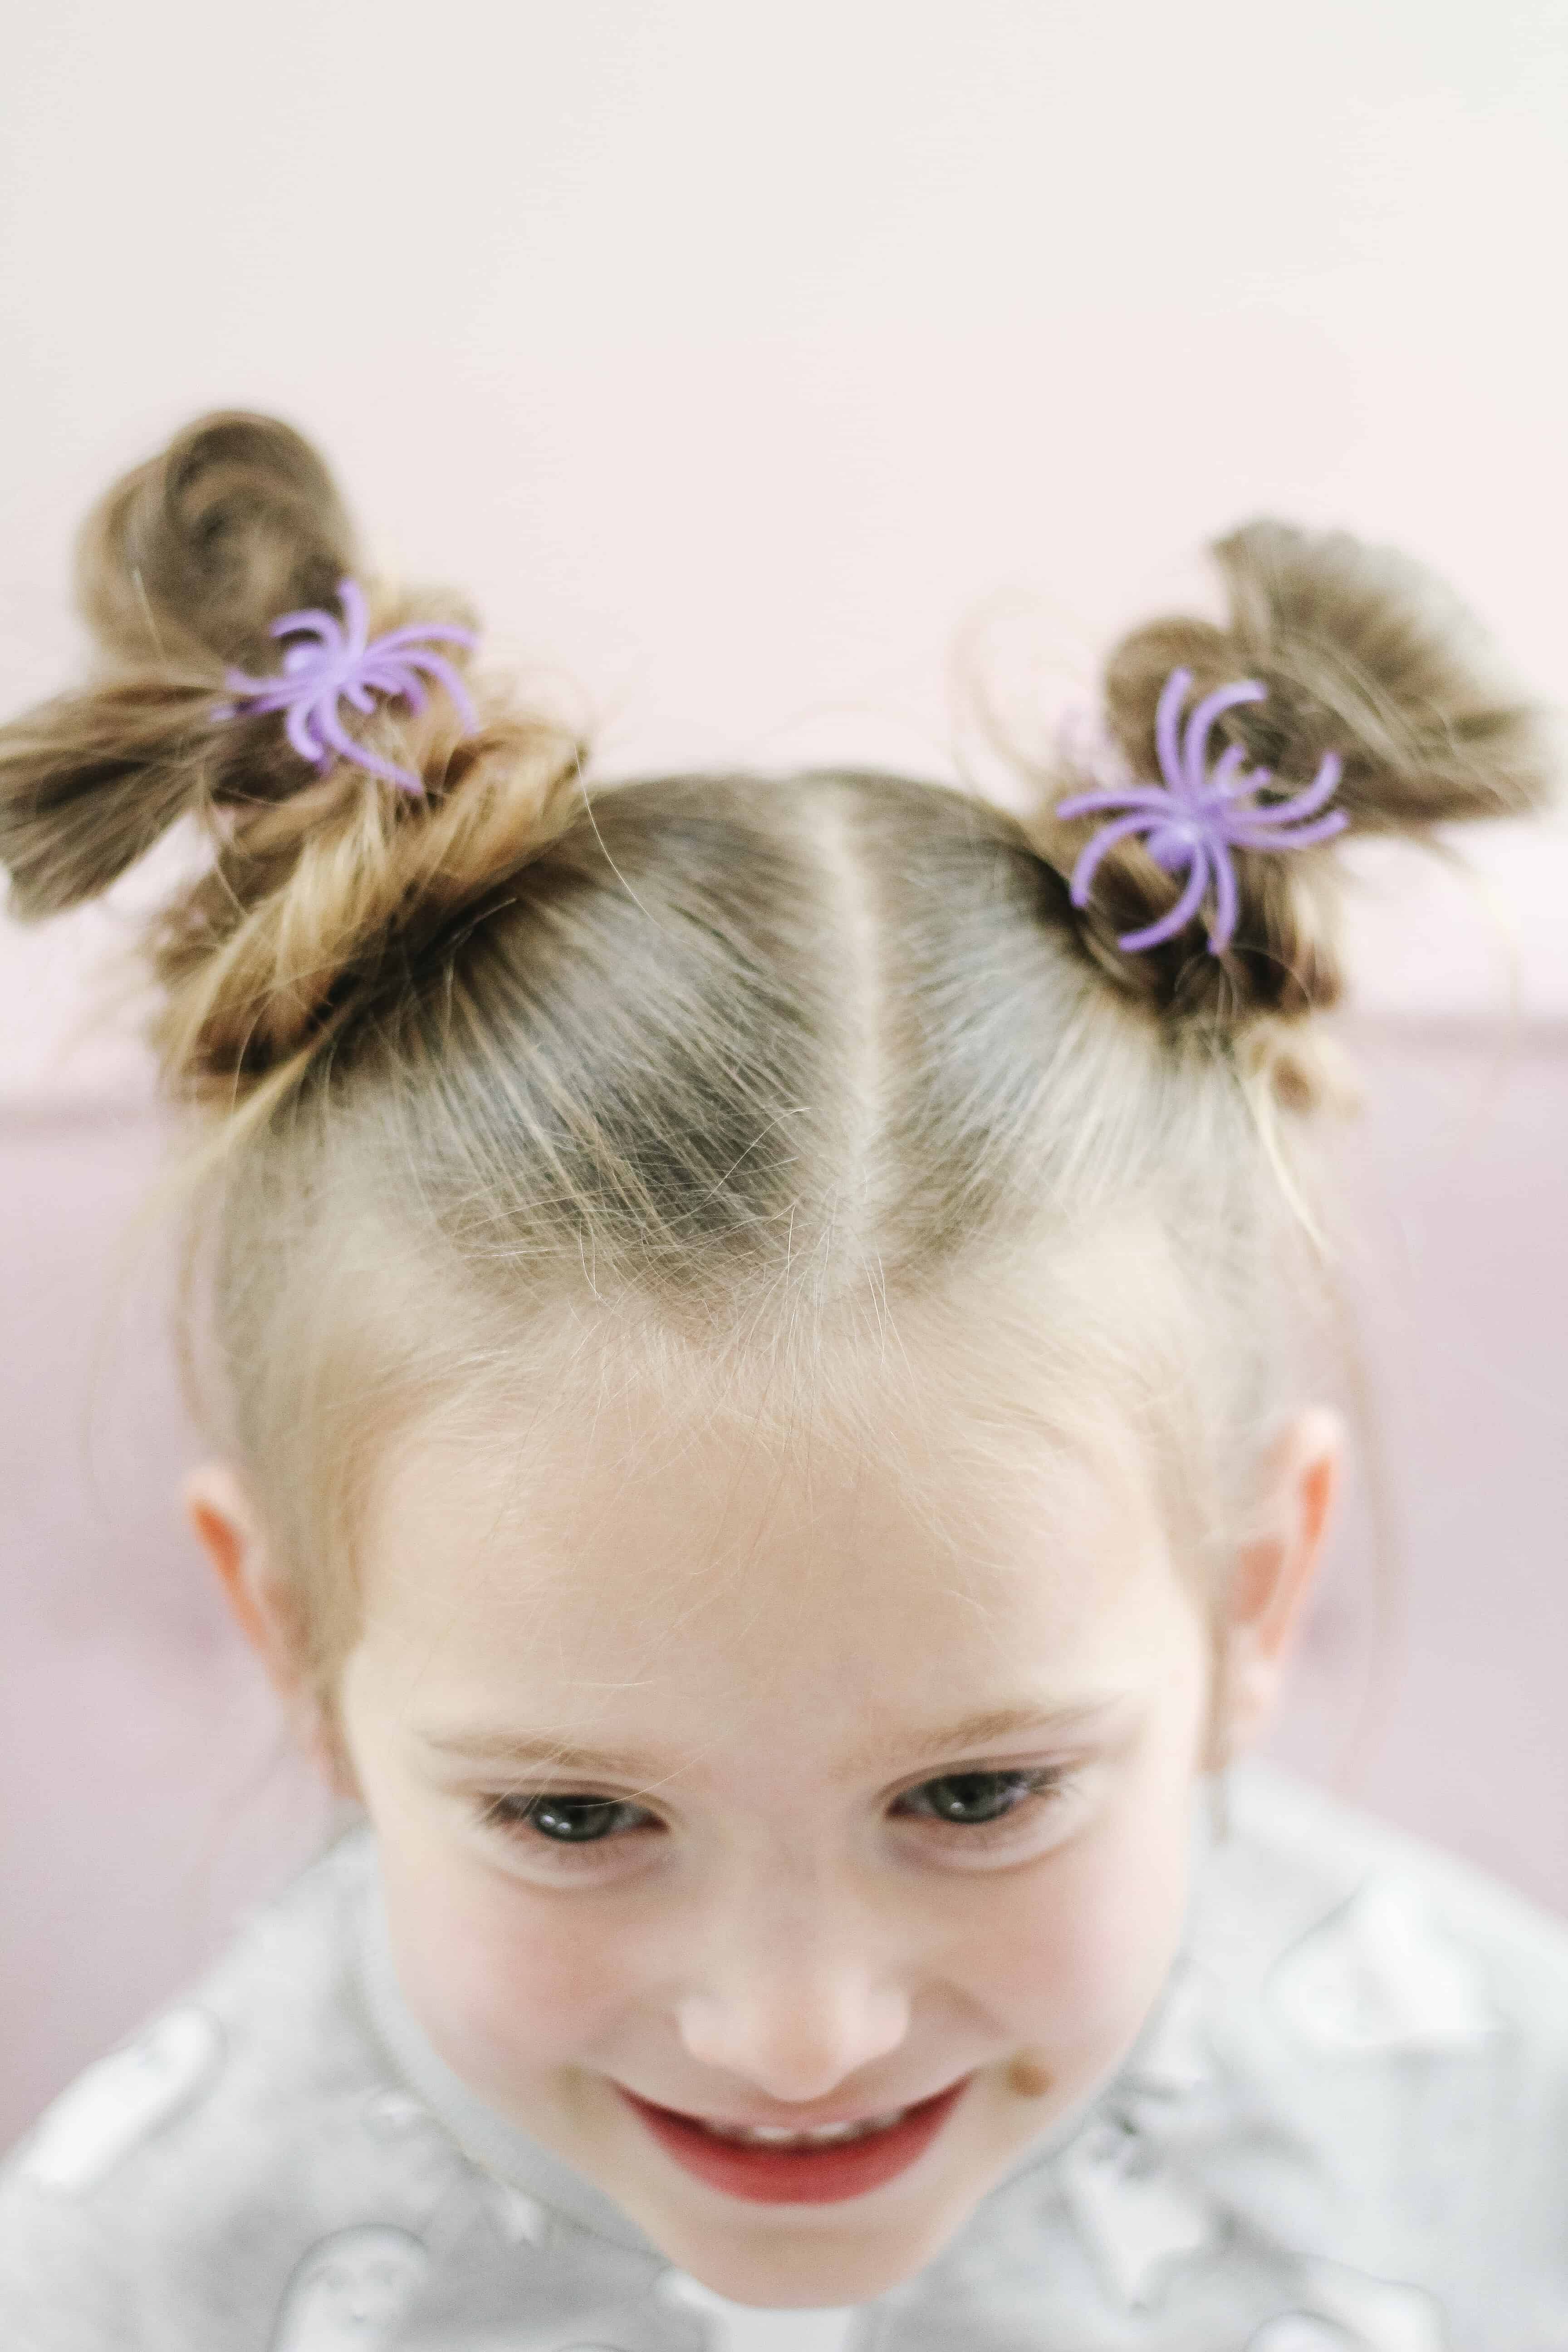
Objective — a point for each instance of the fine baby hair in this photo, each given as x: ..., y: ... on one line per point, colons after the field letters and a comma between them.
x: 742, y: 1061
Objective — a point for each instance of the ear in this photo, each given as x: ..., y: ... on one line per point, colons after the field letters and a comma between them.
x: 1274, y: 1572
x: 227, y: 1526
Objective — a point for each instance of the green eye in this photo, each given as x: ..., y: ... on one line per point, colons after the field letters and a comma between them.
x: 580, y: 1820
x: 970, y: 1799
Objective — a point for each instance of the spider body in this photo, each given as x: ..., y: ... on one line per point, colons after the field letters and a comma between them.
x: 1192, y: 822
x: 340, y: 662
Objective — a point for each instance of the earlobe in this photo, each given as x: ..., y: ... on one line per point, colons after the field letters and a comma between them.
x: 1274, y: 1572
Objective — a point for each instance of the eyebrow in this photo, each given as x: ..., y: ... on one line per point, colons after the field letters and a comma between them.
x: 990, y: 1729
x: 994, y: 1728
x: 506, y: 1747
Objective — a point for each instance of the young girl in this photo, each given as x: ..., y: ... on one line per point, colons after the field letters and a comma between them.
x: 758, y: 1340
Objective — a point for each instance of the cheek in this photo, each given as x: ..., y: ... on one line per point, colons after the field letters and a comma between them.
x: 505, y: 1979
x: 1073, y: 1955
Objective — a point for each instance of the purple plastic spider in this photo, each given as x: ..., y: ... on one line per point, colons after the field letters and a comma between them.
x: 1194, y: 821
x: 344, y: 665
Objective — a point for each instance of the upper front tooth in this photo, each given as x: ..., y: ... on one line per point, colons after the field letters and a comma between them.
x: 783, y: 2136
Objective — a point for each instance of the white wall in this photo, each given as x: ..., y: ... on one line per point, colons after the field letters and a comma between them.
x: 734, y: 356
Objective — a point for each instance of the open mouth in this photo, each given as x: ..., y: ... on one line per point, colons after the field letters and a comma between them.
x: 771, y: 2165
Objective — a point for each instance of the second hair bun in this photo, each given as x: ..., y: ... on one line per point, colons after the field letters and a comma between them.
x: 1363, y: 654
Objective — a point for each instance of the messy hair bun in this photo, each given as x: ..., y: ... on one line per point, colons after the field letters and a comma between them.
x: 1364, y: 655
x: 194, y: 553
x: 182, y: 569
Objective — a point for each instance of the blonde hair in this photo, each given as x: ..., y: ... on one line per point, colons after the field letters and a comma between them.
x: 738, y: 1060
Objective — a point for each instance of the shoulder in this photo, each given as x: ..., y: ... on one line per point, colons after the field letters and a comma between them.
x: 168, y: 2191
x: 1401, y: 2020
x: 1438, y: 1951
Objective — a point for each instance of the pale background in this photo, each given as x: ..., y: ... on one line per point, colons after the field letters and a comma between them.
x: 740, y: 362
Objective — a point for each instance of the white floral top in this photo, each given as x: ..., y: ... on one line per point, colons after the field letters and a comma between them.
x: 1345, y: 2130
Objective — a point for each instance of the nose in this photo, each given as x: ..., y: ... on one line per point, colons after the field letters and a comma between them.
x: 796, y: 2018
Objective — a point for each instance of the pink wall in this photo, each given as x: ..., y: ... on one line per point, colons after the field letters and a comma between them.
x: 147, y: 1789
x: 1430, y: 1685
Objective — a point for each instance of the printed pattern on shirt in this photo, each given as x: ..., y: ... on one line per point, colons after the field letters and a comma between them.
x: 124, y: 2100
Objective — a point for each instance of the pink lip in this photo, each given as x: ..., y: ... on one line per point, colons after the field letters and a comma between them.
x: 798, y: 2176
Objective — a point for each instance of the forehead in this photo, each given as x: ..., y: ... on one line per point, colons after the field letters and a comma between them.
x: 613, y: 1563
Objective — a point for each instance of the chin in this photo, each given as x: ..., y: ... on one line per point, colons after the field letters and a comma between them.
x: 787, y: 2261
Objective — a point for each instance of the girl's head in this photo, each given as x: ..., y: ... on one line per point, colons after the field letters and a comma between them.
x: 755, y: 1350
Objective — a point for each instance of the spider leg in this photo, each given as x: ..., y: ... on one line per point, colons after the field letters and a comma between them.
x: 1195, y: 742
x: 1223, y: 928
x: 1167, y: 715
x: 436, y: 666
x: 1321, y: 789
x: 1225, y: 781
x: 1151, y: 798
x: 1299, y: 836
x: 359, y: 755
x: 1179, y: 915
x: 1084, y: 872
x: 417, y: 631
x: 404, y: 681
x: 351, y: 596
x: 322, y: 626
x: 303, y: 728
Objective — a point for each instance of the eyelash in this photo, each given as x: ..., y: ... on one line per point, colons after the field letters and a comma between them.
x: 1032, y: 1788
x: 1028, y: 1786
x: 516, y: 1817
